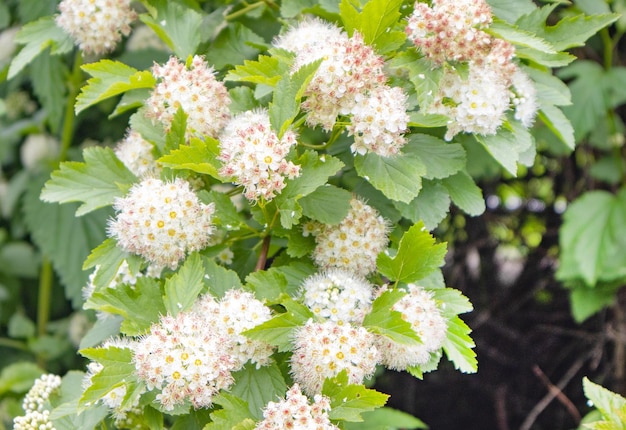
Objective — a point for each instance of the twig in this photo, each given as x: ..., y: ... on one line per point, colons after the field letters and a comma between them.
x: 501, y: 416
x: 554, y: 391
x: 265, y: 247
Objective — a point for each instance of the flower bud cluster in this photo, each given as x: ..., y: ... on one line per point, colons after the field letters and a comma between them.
x: 349, y: 80
x: 191, y: 356
x: 338, y: 296
x: 161, y: 221
x: 420, y: 309
x: 97, y: 26
x: 295, y: 412
x: 452, y: 31
x: 136, y: 154
x: 36, y: 406
x: 354, y: 243
x: 252, y: 155
x: 323, y: 350
x: 194, y: 89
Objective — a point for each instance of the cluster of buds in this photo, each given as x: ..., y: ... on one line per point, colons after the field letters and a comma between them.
x: 36, y: 404
x: 137, y: 155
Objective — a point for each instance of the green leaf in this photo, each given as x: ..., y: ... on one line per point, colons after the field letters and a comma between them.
x: 96, y: 182
x: 399, y: 178
x: 520, y: 37
x: 226, y: 213
x: 218, y: 279
x: 417, y: 256
x: 386, y: 419
x: 233, y: 45
x: 65, y: 416
x: 453, y: 302
x: 349, y: 401
x: 108, y: 256
x: 557, y: 122
x: 458, y: 346
x: 257, y: 387
x: 176, y: 136
x: 592, y: 238
x: 263, y: 70
x: 63, y: 238
x: 465, y: 193
x: 180, y: 27
x: 101, y: 330
x: 375, y: 22
x: 140, y: 305
x: 511, y: 10
x: 268, y: 284
x: 18, y: 377
x: 611, y: 405
x: 440, y: 158
x: 386, y: 322
x: 48, y: 75
x: 285, y: 104
x: 508, y: 144
x: 550, y: 89
x: 110, y: 78
x: 327, y: 204
x: 586, y: 301
x: 118, y: 370
x: 242, y: 99
x: 182, y: 289
x: 573, y: 31
x: 37, y: 37
x: 431, y: 205
x: 423, y: 75
x: 278, y: 331
x: 234, y: 411
x: 199, y: 156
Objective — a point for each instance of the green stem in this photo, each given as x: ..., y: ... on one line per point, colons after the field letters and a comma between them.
x: 608, y: 48
x: 74, y: 83
x: 244, y: 10
x: 12, y: 343
x: 45, y: 293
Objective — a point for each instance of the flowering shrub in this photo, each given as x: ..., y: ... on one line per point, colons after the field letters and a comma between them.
x: 258, y: 236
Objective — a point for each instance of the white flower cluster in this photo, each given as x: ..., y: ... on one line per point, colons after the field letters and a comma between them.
x: 354, y: 243
x: 475, y: 102
x: 191, y: 356
x: 338, y: 296
x: 97, y: 26
x: 36, y: 404
x: 235, y: 313
x: 350, y: 80
x: 136, y: 154
x: 295, y: 412
x: 253, y: 156
x: 161, y: 221
x: 323, y: 350
x: 420, y: 309
x: 195, y: 90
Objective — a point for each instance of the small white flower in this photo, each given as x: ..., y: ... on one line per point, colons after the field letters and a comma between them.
x: 136, y: 154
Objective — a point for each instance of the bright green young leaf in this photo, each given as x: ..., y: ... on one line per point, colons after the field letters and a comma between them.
x: 278, y: 331
x: 327, y: 204
x: 417, y: 256
x: 431, y: 205
x: 453, y: 302
x: 96, y: 182
x: 257, y: 387
x: 465, y: 193
x: 177, y: 134
x: 386, y: 322
x: 611, y: 405
x: 178, y: 26
x: 233, y: 45
x: 69, y: 242
x: 264, y: 70
x: 199, y: 156
x: 140, y: 305
x: 234, y: 411
x: 592, y: 239
x: 110, y: 78
x: 37, y: 36
x: 349, y: 401
x: 458, y: 346
x: 108, y: 256
x: 219, y: 279
x: 386, y: 419
x: 440, y: 158
x: 399, y: 178
x: 118, y: 369
x: 289, y: 91
x: 375, y: 22
x: 182, y: 289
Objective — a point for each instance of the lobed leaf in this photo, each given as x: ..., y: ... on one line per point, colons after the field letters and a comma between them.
x: 234, y: 411
x: 257, y: 387
x: 384, y: 321
x: 375, y: 22
x: 458, y: 346
x: 349, y: 401
x: 198, y: 156
x: 182, y: 289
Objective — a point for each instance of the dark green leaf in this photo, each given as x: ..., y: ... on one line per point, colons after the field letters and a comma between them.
x: 422, y: 73
x: 431, y: 205
x: 440, y: 158
x: 465, y: 193
x: 233, y: 45
x: 327, y: 204
x: 257, y: 387
x: 48, y: 79
x: 18, y: 377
